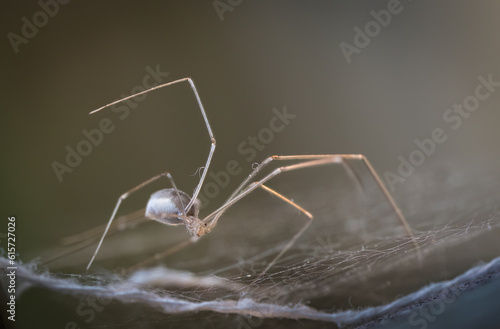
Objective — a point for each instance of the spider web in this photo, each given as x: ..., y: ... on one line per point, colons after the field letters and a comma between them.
x: 353, y: 266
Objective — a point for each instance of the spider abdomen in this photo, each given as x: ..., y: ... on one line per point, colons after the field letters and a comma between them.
x: 163, y: 203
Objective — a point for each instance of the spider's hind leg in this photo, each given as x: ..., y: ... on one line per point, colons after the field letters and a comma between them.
x: 290, y: 202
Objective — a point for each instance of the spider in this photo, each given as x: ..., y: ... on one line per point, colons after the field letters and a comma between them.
x: 173, y: 207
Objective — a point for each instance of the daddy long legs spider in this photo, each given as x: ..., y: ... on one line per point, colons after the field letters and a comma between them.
x: 173, y: 207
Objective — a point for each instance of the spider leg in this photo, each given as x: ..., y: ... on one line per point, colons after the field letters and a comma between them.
x: 355, y: 178
x: 313, y: 160
x: 212, y: 147
x: 285, y: 248
x: 212, y: 219
x: 374, y: 174
x: 282, y: 197
x: 295, y: 237
x: 205, y: 118
x: 123, y: 197
x: 260, y: 183
x: 339, y: 158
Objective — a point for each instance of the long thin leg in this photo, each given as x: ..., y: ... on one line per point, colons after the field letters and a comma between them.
x: 275, y: 172
x: 214, y: 217
x: 389, y: 197
x: 320, y: 160
x: 341, y: 157
x: 295, y: 237
x: 282, y: 197
x: 354, y: 177
x: 377, y: 179
x: 336, y: 158
x: 123, y: 197
x: 260, y: 183
x: 205, y: 118
x: 285, y: 248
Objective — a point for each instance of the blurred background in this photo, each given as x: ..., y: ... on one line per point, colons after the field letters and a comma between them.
x: 246, y: 58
